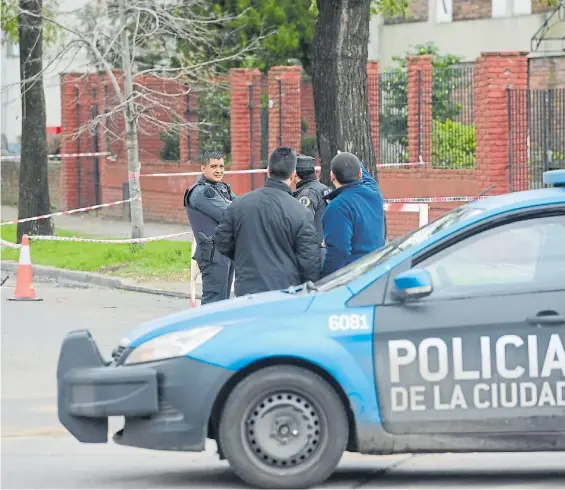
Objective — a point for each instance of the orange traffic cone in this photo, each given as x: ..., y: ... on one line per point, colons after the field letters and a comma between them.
x: 24, y: 283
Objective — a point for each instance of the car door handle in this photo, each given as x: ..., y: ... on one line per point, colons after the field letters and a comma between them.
x: 546, y: 318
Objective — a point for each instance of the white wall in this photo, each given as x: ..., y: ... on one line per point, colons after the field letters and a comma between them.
x: 463, y: 38
x: 54, y: 64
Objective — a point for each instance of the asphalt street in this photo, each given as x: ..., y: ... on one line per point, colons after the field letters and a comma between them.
x: 38, y: 453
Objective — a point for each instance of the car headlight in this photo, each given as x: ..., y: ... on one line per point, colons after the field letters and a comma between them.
x: 174, y: 344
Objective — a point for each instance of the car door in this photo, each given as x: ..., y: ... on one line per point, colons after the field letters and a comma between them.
x: 484, y: 352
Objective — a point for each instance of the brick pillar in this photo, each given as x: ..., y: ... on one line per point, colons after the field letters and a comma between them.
x: 189, y: 147
x: 70, y: 92
x: 373, y: 82
x: 419, y: 72
x: 284, y: 103
x: 494, y: 74
x: 240, y: 80
x: 257, y: 89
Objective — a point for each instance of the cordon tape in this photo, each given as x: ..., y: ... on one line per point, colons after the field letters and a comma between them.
x: 264, y: 170
x: 62, y: 155
x: 70, y: 211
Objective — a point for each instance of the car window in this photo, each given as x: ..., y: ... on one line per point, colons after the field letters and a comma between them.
x: 523, y: 255
x: 361, y: 266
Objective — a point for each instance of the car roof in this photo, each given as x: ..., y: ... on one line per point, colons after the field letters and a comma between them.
x: 522, y: 199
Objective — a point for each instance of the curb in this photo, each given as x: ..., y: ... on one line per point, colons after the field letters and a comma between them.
x: 66, y: 276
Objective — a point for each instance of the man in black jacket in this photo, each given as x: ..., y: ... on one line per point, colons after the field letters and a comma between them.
x: 311, y: 192
x: 269, y: 235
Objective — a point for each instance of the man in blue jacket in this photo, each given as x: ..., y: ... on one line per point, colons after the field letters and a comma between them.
x: 354, y: 222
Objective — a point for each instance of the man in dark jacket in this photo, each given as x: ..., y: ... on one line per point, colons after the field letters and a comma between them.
x: 354, y: 219
x: 205, y: 203
x: 269, y: 235
x: 311, y: 192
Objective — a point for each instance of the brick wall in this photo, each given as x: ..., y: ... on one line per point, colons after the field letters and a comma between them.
x: 417, y: 12
x: 10, y: 172
x: 541, y: 6
x: 472, y: 9
x: 253, y: 96
x: 547, y: 72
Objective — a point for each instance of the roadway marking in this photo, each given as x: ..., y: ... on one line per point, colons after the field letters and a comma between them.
x: 46, y: 409
x: 47, y: 431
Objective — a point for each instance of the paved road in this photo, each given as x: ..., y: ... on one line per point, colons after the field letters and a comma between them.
x: 38, y: 453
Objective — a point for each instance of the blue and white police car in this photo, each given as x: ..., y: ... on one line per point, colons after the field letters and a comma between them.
x: 451, y: 338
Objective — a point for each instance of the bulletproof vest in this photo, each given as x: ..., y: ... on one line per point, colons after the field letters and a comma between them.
x: 199, y: 221
x: 313, y: 184
x: 304, y: 190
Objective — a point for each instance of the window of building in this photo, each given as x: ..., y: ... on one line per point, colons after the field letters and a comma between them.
x: 509, y: 8
x: 444, y: 11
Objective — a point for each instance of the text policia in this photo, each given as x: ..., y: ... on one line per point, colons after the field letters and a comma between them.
x: 477, y: 373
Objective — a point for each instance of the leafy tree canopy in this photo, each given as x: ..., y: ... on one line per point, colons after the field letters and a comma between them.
x: 9, y: 11
x: 288, y: 27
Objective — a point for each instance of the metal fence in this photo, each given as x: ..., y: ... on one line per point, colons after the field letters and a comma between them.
x: 536, y: 130
x: 208, y: 111
x: 444, y: 133
x: 393, y: 117
x: 453, y: 134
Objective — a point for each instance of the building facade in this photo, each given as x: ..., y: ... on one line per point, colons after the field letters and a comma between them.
x: 57, y: 59
x: 467, y: 28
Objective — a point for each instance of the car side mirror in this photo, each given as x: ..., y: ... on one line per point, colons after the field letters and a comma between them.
x: 412, y: 284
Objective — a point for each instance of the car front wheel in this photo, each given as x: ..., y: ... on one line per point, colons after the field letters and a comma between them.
x: 283, y: 427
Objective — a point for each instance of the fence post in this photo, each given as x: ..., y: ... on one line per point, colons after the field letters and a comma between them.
x: 495, y: 73
x: 419, y: 87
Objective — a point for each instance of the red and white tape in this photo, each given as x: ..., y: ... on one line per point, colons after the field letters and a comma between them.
x: 100, y: 240
x: 264, y: 170
x: 430, y: 200
x: 5, y: 243
x: 62, y: 155
x: 70, y: 211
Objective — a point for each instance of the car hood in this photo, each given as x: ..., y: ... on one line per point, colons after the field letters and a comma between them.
x: 231, y: 312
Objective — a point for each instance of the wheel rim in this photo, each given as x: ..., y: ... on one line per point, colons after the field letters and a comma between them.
x: 284, y: 429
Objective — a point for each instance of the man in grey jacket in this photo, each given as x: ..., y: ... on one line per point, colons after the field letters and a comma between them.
x: 205, y: 202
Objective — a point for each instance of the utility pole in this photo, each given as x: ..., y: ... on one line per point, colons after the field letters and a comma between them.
x: 131, y: 130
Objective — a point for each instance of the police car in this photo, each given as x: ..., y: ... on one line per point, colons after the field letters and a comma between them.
x: 449, y: 339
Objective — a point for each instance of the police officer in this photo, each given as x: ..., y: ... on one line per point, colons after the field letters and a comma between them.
x: 311, y: 192
x: 205, y: 203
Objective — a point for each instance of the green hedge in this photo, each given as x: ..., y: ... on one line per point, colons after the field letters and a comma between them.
x: 453, y: 145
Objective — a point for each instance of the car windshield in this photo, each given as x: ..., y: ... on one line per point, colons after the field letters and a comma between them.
x: 359, y: 267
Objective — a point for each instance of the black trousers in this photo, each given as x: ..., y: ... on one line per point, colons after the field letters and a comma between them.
x: 217, y: 278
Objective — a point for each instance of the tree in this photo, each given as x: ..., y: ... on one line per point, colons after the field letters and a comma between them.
x: 289, y: 25
x: 24, y: 23
x: 178, y: 45
x: 339, y: 78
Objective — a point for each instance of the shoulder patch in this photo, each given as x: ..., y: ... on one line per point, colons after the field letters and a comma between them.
x: 305, y: 200
x: 209, y: 192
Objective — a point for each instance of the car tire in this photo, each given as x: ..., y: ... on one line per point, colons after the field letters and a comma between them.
x: 283, y: 427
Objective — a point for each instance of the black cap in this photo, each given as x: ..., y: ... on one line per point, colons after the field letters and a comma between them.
x: 305, y: 163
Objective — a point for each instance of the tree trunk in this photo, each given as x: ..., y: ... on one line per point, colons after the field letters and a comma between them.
x: 34, y: 183
x: 131, y: 130
x: 339, y: 81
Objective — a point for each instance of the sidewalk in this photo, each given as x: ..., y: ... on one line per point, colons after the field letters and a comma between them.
x: 89, y: 223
